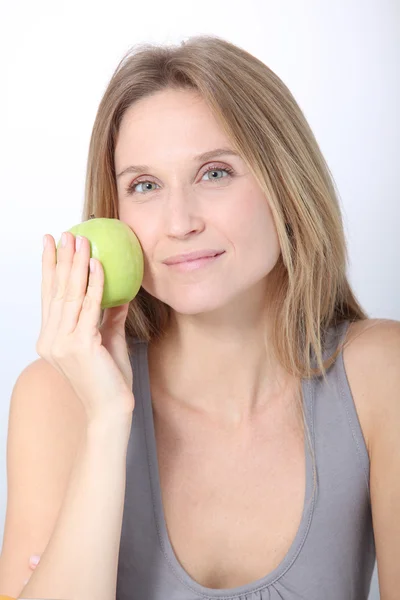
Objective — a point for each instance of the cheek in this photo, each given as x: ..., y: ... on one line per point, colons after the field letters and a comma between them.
x: 142, y: 226
x: 251, y: 226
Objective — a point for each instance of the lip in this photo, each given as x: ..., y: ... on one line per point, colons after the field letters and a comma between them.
x: 190, y: 256
x: 196, y: 264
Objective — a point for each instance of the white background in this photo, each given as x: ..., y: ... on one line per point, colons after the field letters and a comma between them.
x: 340, y: 59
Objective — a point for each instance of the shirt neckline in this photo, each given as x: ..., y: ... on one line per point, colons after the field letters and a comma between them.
x: 181, y: 574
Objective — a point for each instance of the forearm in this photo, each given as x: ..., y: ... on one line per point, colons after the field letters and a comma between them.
x: 81, y: 559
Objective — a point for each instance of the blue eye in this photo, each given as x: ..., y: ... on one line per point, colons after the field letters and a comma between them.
x: 212, y: 170
x: 131, y: 189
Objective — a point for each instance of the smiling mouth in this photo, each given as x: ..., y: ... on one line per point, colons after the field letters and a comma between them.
x: 192, y: 256
x: 196, y: 263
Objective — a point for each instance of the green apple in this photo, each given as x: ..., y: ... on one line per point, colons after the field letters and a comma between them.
x: 114, y: 244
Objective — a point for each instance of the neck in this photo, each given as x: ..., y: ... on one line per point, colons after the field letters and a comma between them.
x: 228, y: 372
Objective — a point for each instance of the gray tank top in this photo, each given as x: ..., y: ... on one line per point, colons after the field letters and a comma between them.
x: 333, y: 553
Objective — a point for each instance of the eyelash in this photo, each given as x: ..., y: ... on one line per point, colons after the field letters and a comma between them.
x: 130, y: 189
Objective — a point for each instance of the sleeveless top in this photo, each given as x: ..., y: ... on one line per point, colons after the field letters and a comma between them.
x: 333, y: 553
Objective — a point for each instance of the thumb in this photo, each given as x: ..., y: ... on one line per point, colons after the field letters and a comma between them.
x: 114, y: 318
x: 113, y: 338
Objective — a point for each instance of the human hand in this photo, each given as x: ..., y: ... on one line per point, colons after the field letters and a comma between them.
x: 93, y: 357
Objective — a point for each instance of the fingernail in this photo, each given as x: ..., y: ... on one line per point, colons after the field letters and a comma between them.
x: 63, y: 240
x: 34, y: 560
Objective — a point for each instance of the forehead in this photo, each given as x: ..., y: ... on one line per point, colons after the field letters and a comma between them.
x: 168, y: 121
x: 166, y: 103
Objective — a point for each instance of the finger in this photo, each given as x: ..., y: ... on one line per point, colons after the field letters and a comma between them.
x: 34, y: 561
x: 63, y: 258
x: 112, y: 328
x: 77, y: 286
x: 91, y: 307
x: 48, y: 276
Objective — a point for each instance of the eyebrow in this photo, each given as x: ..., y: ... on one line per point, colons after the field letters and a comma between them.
x: 199, y: 158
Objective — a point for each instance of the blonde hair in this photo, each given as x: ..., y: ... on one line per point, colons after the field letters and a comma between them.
x: 310, y: 292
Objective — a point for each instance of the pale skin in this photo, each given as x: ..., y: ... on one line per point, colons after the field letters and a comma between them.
x: 185, y: 210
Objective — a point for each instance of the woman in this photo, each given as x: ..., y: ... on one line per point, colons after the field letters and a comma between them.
x: 230, y: 409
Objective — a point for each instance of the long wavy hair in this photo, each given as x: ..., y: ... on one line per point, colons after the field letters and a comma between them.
x: 310, y: 292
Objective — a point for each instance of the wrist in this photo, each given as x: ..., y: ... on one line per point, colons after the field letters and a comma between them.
x: 115, y: 425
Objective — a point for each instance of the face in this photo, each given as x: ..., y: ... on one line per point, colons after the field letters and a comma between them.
x: 179, y: 203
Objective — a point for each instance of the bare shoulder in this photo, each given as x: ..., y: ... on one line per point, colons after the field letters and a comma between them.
x: 371, y: 352
x: 42, y: 399
x: 46, y: 422
x: 374, y: 362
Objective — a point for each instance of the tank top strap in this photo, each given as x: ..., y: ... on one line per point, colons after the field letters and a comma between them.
x: 332, y: 339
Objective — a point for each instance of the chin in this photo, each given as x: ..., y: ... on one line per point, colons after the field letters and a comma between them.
x: 194, y: 303
x: 194, y: 308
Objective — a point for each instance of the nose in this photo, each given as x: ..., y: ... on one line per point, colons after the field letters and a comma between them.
x: 183, y: 213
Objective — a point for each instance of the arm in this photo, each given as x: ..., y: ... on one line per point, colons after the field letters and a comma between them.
x: 385, y: 458
x: 376, y: 360
x: 46, y: 425
x: 81, y: 559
